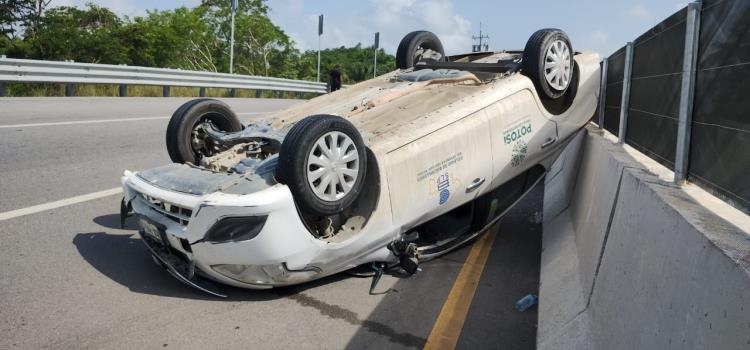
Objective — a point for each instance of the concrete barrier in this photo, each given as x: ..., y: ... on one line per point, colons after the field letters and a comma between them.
x: 635, y: 262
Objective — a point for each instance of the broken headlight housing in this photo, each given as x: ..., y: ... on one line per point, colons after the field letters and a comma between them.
x: 235, y: 229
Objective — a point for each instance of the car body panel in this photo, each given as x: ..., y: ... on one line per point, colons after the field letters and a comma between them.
x: 424, y: 140
x: 429, y: 176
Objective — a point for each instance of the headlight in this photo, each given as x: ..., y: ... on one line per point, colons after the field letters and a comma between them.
x: 265, y: 274
x: 235, y: 229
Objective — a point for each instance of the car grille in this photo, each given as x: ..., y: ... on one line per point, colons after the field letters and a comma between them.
x: 171, y: 211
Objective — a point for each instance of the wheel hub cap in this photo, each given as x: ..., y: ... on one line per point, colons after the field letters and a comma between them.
x: 557, y: 65
x: 332, y: 166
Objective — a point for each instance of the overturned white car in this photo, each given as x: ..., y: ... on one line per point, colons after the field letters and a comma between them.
x: 387, y: 172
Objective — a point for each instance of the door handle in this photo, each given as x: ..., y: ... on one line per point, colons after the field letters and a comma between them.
x: 474, y: 184
x: 549, y: 142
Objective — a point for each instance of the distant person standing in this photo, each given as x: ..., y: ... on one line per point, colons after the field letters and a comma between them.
x: 335, y: 79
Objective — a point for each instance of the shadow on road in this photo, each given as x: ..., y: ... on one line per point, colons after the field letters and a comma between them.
x: 123, y: 258
x: 113, y: 221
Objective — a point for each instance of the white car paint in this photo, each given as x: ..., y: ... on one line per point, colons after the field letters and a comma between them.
x: 460, y: 147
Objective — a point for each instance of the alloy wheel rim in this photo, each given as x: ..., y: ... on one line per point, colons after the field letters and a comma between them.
x: 332, y: 166
x: 557, y: 65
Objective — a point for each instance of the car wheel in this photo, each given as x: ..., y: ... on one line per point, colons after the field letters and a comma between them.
x: 323, y: 160
x: 417, y: 45
x: 548, y: 62
x: 185, y: 135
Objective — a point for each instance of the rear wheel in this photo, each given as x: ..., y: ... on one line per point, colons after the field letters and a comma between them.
x: 416, y: 46
x: 548, y: 62
x: 186, y: 141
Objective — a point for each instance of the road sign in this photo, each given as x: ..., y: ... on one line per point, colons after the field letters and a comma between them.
x: 320, y: 32
x: 375, y: 62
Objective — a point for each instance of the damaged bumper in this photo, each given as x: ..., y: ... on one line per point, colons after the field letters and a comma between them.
x: 177, y: 266
x: 175, y: 226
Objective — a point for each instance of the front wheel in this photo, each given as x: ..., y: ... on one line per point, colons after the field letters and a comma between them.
x: 323, y: 160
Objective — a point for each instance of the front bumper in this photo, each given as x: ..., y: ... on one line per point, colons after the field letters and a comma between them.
x: 279, y: 255
x: 184, y: 271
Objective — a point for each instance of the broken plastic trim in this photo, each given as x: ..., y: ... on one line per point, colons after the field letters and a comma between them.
x: 126, y: 208
x: 182, y: 271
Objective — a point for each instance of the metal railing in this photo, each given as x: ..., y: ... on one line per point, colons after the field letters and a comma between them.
x: 36, y: 71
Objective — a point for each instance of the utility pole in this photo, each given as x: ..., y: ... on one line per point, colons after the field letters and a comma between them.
x: 375, y: 64
x: 320, y: 32
x: 231, y: 40
x: 480, y: 47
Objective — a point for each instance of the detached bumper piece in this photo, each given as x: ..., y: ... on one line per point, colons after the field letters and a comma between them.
x: 180, y: 269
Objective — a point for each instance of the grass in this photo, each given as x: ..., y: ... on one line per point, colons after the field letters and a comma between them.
x: 107, y: 90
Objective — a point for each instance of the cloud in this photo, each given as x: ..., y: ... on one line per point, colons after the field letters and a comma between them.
x: 130, y: 8
x: 640, y: 12
x: 356, y: 22
x: 120, y: 7
x: 396, y: 18
x: 292, y: 11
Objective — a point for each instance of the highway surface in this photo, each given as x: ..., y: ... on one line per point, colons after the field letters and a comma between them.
x: 70, y: 278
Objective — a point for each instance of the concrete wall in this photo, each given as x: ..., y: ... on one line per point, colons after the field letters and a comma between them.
x: 635, y: 262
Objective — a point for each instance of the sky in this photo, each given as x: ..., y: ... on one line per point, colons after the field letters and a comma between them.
x: 593, y: 25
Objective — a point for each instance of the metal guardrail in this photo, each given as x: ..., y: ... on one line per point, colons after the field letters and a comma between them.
x: 36, y: 71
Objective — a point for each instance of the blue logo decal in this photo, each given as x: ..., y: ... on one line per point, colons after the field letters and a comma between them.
x: 443, y: 187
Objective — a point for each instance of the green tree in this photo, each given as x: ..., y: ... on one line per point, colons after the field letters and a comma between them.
x: 17, y: 17
x: 177, y: 38
x: 261, y: 47
x: 83, y: 35
x: 187, y: 38
x: 357, y: 63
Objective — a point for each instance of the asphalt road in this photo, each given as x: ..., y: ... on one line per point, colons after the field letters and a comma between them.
x: 69, y: 278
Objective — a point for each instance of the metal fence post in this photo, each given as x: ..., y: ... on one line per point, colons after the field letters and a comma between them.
x: 687, y: 92
x: 69, y: 89
x: 165, y: 91
x: 202, y: 92
x: 232, y: 92
x: 123, y: 90
x: 258, y: 93
x: 624, y: 105
x: 2, y: 89
x: 603, y: 93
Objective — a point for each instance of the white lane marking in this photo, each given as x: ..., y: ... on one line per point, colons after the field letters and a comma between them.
x: 120, y: 120
x: 57, y: 204
x: 81, y: 122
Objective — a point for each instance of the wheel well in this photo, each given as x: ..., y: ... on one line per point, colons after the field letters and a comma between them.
x: 352, y: 220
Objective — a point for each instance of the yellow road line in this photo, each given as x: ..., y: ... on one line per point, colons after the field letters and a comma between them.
x: 450, y: 321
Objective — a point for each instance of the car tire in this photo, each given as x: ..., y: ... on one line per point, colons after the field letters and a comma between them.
x: 187, y: 117
x: 321, y: 187
x: 548, y: 62
x: 407, y: 53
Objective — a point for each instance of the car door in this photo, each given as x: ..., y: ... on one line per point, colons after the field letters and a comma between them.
x: 440, y: 171
x: 520, y: 135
